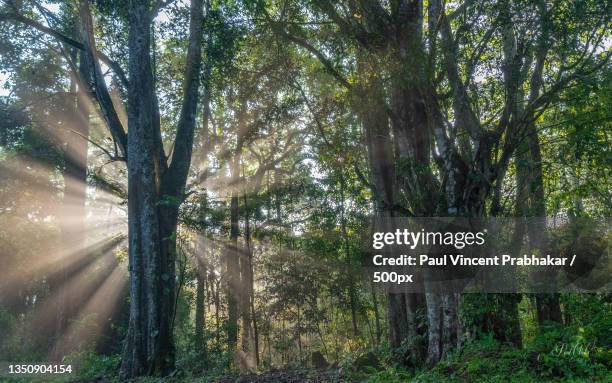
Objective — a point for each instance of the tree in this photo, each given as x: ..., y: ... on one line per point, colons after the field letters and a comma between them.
x: 472, y: 152
x: 156, y: 181
x: 155, y: 190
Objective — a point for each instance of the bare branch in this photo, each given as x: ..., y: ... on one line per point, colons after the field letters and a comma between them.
x: 111, y: 156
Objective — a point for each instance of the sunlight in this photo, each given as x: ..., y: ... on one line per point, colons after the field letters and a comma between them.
x: 72, y: 258
x: 96, y: 311
x: 230, y: 232
x: 73, y: 287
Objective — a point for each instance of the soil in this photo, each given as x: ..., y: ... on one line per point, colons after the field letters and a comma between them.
x: 287, y: 376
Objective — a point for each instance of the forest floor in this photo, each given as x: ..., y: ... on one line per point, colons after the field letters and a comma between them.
x: 287, y: 376
x: 484, y: 361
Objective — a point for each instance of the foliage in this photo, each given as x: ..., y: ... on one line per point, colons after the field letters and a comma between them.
x: 282, y: 179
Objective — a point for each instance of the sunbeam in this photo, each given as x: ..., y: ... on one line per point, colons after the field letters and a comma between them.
x: 70, y: 292
x: 94, y: 314
x: 70, y: 259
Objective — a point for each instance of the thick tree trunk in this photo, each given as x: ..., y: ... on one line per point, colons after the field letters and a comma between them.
x: 155, y: 191
x: 410, y: 120
x: 148, y: 348
x: 547, y: 305
x: 379, y: 145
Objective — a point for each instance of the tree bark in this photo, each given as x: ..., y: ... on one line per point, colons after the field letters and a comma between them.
x: 347, y: 255
x: 250, y: 281
x: 155, y: 192
x: 232, y: 260
x: 149, y: 346
x: 434, y: 320
x: 200, y: 314
x: 547, y: 305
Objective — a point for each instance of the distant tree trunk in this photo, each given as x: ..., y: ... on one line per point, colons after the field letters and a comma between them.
x: 233, y: 276
x: 450, y: 323
x: 202, y: 283
x: 434, y: 319
x: 200, y: 343
x: 75, y: 188
x: 347, y: 255
x: 250, y: 279
x: 299, y: 334
x: 376, y: 315
x: 241, y: 262
x: 232, y: 260
x: 245, y: 302
x: 217, y: 299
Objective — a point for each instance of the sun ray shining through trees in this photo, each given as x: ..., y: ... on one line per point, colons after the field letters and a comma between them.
x: 189, y: 189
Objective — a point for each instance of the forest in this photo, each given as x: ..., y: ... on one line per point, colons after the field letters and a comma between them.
x: 186, y: 186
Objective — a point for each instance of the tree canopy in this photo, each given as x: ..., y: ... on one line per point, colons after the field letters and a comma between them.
x: 187, y: 185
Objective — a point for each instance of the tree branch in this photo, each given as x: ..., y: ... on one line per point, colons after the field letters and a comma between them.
x: 318, y: 54
x: 159, y: 5
x: 13, y: 16
x: 101, y: 90
x: 111, y: 157
x: 176, y: 175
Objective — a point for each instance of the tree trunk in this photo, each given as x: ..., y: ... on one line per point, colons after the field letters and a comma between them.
x: 547, y: 305
x: 347, y: 256
x: 200, y: 343
x: 250, y: 281
x: 217, y: 299
x: 450, y: 322
x: 155, y: 191
x: 376, y: 315
x: 398, y: 320
x: 434, y: 320
x: 75, y: 188
x: 232, y: 260
x: 149, y: 346
x: 233, y: 277
x: 379, y: 146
